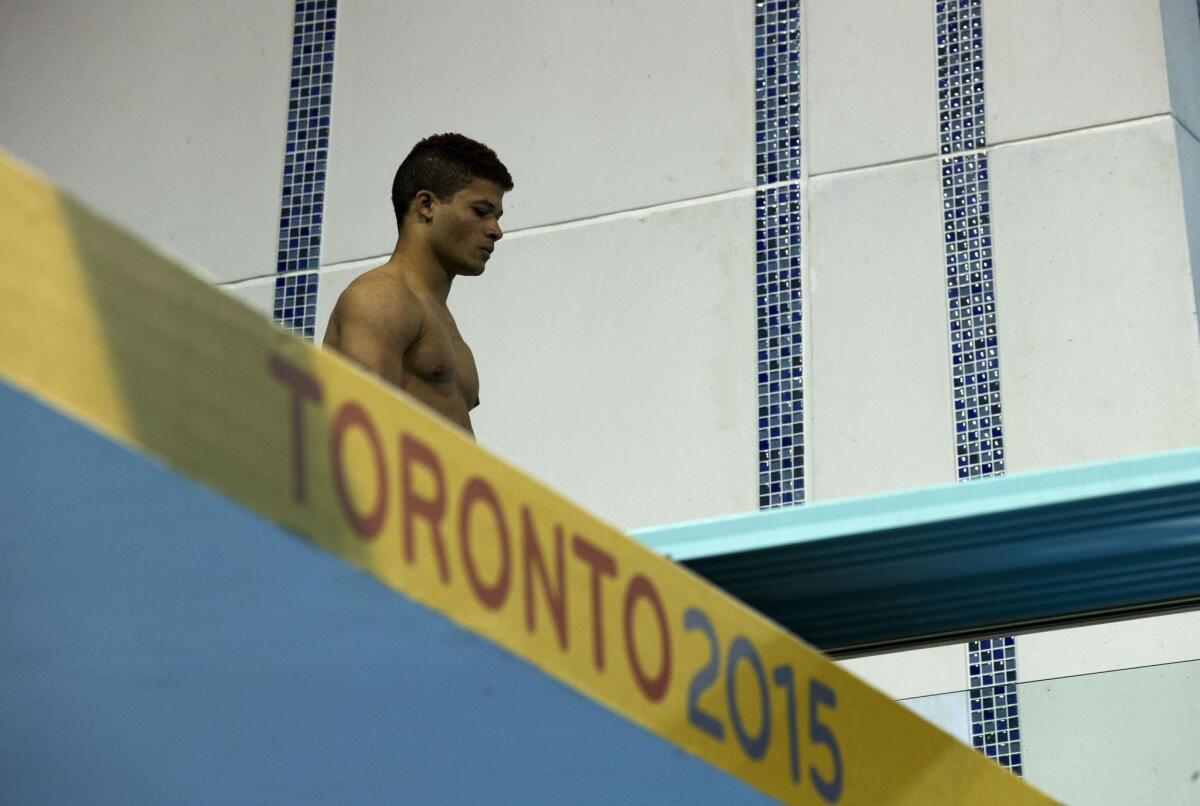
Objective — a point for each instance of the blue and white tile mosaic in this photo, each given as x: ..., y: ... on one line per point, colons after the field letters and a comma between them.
x: 974, y: 342
x: 777, y: 253
x: 959, y: 31
x: 777, y: 90
x: 971, y: 293
x: 995, y: 722
x: 296, y: 303
x: 780, y: 374
x: 303, y: 203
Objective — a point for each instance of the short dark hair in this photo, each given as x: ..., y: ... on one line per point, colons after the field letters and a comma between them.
x: 444, y: 164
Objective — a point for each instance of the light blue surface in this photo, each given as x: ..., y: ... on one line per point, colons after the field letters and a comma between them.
x: 759, y: 530
x: 159, y: 644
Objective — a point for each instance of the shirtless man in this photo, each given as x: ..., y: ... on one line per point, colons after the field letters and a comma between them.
x: 393, y: 320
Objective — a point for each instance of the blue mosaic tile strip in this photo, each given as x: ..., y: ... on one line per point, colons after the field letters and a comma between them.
x: 974, y: 343
x: 971, y: 293
x: 995, y: 722
x: 296, y: 303
x: 777, y: 90
x: 777, y: 252
x: 780, y: 373
x: 309, y: 101
x: 959, y: 31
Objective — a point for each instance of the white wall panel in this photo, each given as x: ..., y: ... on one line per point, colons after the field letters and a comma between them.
x: 1181, y: 32
x: 258, y: 293
x: 616, y: 359
x: 877, y: 361
x: 1108, y: 647
x: 1116, y: 739
x: 1099, y: 352
x: 913, y: 672
x: 1057, y: 65
x: 1189, y: 177
x: 872, y: 83
x: 594, y: 106
x: 168, y: 116
x: 950, y: 712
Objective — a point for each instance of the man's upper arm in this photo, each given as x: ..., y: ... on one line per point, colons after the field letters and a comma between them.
x: 375, y: 328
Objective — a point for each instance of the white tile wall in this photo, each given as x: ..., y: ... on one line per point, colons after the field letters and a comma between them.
x: 614, y: 359
x: 1058, y: 65
x: 1115, y: 739
x: 871, y: 83
x: 1109, y: 646
x: 877, y: 362
x: 1099, y: 352
x: 913, y: 673
x: 1189, y: 176
x: 595, y: 106
x: 950, y: 712
x: 258, y: 293
x: 1181, y: 30
x: 167, y: 115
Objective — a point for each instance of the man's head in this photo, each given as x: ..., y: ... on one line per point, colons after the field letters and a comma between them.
x: 452, y: 187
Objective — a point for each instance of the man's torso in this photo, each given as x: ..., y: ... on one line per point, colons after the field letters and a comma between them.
x: 437, y: 367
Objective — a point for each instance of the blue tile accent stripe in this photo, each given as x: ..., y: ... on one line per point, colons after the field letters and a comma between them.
x: 974, y: 344
x: 296, y: 303
x: 974, y: 341
x: 995, y: 721
x: 780, y: 374
x: 777, y: 90
x: 777, y: 252
x: 303, y: 200
x: 961, y: 121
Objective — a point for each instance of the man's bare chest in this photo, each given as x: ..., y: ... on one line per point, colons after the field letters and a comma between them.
x: 442, y: 359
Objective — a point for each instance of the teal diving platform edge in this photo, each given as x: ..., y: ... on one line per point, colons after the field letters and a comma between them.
x: 1000, y: 554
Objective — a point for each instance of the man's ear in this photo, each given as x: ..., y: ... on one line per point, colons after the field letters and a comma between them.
x: 422, y: 204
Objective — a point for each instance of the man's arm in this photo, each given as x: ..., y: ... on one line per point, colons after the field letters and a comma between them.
x: 374, y: 325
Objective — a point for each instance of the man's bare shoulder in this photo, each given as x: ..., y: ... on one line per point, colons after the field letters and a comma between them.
x: 380, y: 302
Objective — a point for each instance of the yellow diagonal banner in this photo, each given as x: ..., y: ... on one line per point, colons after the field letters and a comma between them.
x: 100, y: 325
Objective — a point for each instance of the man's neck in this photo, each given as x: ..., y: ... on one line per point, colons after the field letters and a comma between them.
x: 421, y: 270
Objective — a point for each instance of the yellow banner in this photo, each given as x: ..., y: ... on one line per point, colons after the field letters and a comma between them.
x: 102, y: 326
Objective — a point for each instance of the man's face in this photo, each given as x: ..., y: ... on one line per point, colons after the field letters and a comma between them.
x: 467, y: 227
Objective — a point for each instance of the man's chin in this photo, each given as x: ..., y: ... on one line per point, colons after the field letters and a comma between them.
x: 470, y: 269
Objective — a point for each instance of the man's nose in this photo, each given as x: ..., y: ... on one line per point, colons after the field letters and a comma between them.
x: 496, y: 233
